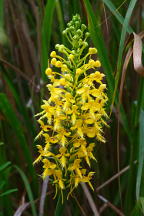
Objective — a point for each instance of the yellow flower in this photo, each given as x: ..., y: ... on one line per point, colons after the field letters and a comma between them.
x: 59, y: 179
x: 44, y: 128
x: 97, y: 63
x: 64, y: 68
x: 85, y: 93
x: 78, y: 71
x: 63, y: 156
x: 71, y: 57
x: 61, y: 136
x: 76, y: 167
x: 78, y: 127
x: 53, y: 54
x: 49, y: 140
x: 73, y: 116
x: 58, y: 64
x: 92, y: 51
x: 53, y: 61
x: 49, y: 71
x: 49, y: 168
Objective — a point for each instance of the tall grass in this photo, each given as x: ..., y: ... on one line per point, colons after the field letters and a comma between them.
x: 28, y: 32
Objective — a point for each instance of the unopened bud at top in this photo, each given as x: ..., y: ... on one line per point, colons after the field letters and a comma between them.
x: 97, y: 63
x: 92, y: 51
x: 53, y: 54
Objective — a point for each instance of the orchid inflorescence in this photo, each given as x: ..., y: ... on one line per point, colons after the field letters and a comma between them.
x: 73, y: 116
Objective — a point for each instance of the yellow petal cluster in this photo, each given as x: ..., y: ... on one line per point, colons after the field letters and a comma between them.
x: 72, y: 118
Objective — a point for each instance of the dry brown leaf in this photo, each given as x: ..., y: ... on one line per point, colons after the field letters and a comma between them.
x: 137, y: 54
x: 136, y: 51
x: 124, y: 69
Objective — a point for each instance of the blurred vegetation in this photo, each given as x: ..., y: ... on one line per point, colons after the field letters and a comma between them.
x: 29, y: 29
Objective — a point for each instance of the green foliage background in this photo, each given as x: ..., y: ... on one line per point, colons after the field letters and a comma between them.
x: 29, y: 29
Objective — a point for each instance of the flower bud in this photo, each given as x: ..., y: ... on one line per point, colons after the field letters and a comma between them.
x: 83, y: 27
x: 77, y: 23
x: 85, y: 44
x: 87, y: 34
x: 78, y: 71
x: 73, y: 51
x: 48, y: 71
x: 58, y: 64
x: 102, y: 87
x: 97, y: 63
x: 64, y: 32
x: 79, y: 32
x: 71, y: 57
x: 75, y: 37
x: 61, y: 48
x: 64, y: 68
x: 71, y: 28
x: 53, y: 61
x: 57, y: 46
x: 53, y: 54
x: 92, y: 51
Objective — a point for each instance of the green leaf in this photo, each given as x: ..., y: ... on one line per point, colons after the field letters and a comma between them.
x: 46, y: 34
x: 4, y: 166
x: 3, y: 36
x: 139, y: 208
x: 2, y: 184
x: 1, y: 13
x: 115, y: 12
x: 11, y: 117
x: 98, y: 41
x: 60, y: 206
x: 141, y: 154
x: 8, y: 192
x: 28, y: 189
x: 19, y: 102
x: 121, y: 44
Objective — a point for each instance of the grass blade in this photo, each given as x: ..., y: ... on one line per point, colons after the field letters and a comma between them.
x: 46, y: 33
x: 115, y: 12
x: 60, y: 206
x: 99, y: 44
x: 121, y: 44
x: 10, y: 115
x: 4, y: 166
x: 20, y: 104
x: 139, y: 208
x: 28, y: 189
x: 8, y: 192
x: 141, y: 154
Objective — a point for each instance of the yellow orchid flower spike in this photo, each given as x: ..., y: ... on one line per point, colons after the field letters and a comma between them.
x: 72, y: 119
